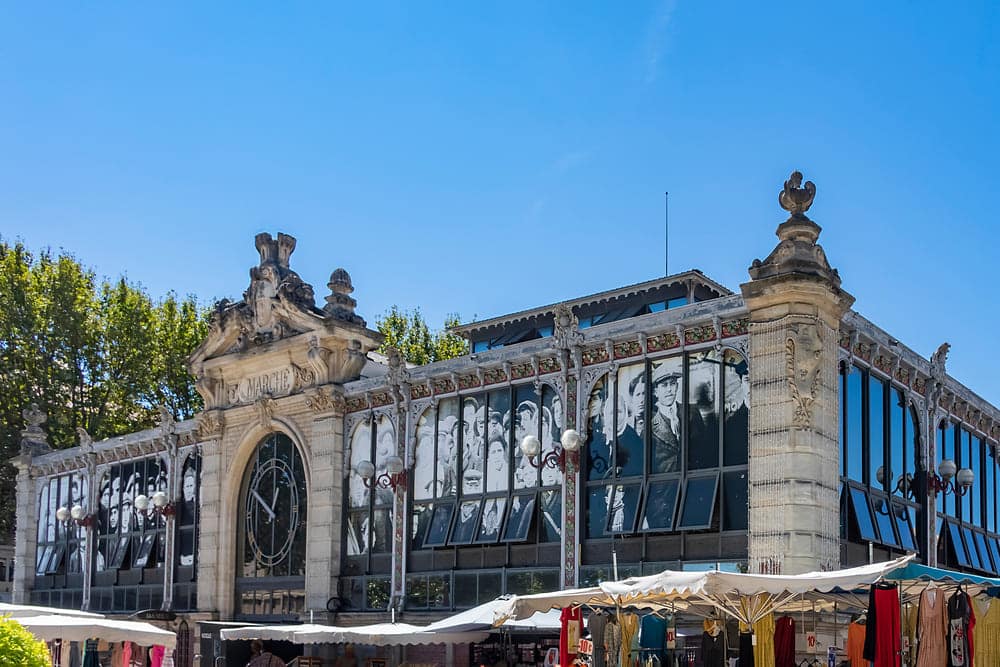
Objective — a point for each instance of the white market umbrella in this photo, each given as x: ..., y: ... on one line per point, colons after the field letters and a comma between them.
x: 17, y: 611
x: 386, y: 634
x: 77, y: 629
x: 270, y: 632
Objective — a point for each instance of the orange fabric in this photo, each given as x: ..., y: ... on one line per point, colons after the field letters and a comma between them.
x: 856, y: 645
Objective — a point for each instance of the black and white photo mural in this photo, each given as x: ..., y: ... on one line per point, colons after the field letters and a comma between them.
x: 667, y: 446
x: 369, y: 522
x: 128, y: 538
x: 61, y: 545
x: 471, y: 482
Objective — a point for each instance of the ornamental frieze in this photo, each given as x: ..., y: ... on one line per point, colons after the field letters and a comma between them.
x: 357, y: 404
x: 699, y: 334
x: 550, y: 365
x: 845, y: 339
x: 468, y: 381
x: 883, y: 364
x: 443, y: 386
x: 521, y: 371
x: 494, y: 376
x: 738, y: 327
x: 381, y: 398
x: 595, y: 355
x: 667, y: 341
x: 419, y: 391
x: 903, y: 375
x: 863, y: 351
x: 630, y: 348
x: 920, y: 386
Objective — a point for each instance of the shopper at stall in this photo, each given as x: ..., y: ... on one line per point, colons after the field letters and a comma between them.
x: 262, y: 658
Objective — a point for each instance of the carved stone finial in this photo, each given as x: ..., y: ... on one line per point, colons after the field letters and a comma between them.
x: 397, y: 366
x: 938, y: 360
x: 165, y: 420
x: 795, y: 199
x: 34, y: 440
x: 86, y: 442
x: 340, y: 304
x: 566, y: 327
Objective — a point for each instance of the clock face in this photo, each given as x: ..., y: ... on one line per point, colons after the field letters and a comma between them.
x: 272, y: 511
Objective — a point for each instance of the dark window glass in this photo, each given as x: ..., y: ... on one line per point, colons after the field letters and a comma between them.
x: 464, y: 530
x: 949, y: 451
x: 703, y: 411
x: 855, y: 459
x: 699, y: 502
x: 550, y: 518
x: 736, y: 409
x: 984, y: 552
x: 734, y: 494
x: 377, y: 593
x: 842, y: 396
x: 994, y: 549
x: 600, y: 427
x: 886, y: 521
x: 903, y: 527
x: 661, y: 501
x: 491, y: 521
x: 522, y: 509
x: 976, y: 492
x: 466, y: 589
x: 955, y: 537
x: 597, y: 513
x: 437, y: 533
x: 990, y: 489
x: 965, y: 461
x: 911, y: 444
x: 527, y: 421
x: 420, y: 524
x: 876, y: 432
x: 970, y: 549
x: 863, y: 514
x: 623, y: 508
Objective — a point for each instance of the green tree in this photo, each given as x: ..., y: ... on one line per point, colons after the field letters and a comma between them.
x: 408, y: 332
x: 19, y: 648
x: 97, y: 355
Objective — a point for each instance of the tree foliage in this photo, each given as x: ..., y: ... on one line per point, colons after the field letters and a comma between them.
x: 92, y: 353
x: 19, y: 648
x: 408, y: 332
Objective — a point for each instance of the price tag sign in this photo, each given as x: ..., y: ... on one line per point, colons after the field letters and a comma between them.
x: 811, y: 642
x: 586, y: 647
x: 671, y: 637
x: 906, y: 644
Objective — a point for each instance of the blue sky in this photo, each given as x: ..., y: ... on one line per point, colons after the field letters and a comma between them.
x: 483, y: 158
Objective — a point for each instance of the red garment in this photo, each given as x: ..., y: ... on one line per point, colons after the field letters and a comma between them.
x: 156, y: 656
x: 784, y: 642
x: 887, y: 629
x: 569, y: 635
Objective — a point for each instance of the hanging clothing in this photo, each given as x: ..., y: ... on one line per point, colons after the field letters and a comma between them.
x: 909, y: 634
x: 987, y: 635
x: 746, y: 649
x: 932, y: 629
x: 569, y: 635
x: 856, y: 645
x: 156, y: 656
x: 784, y: 642
x: 630, y: 635
x: 713, y: 649
x: 763, y: 652
x: 882, y: 631
x: 652, y: 638
x: 613, y: 643
x: 596, y: 625
x: 961, y: 624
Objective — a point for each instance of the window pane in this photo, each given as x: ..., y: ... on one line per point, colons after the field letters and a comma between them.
x: 965, y: 461
x: 903, y: 527
x: 855, y: 461
x: 884, y: 518
x: 699, y: 502
x: 876, y: 434
x: 464, y: 529
x: 984, y: 552
x: 522, y: 508
x: 623, y: 508
x: 421, y: 523
x: 955, y: 537
x: 736, y: 407
x: 970, y: 549
x: 994, y: 549
x: 600, y: 427
x: 440, y: 522
x: 423, y: 467
x: 897, y: 463
x: 863, y: 515
x: 492, y: 519
x: 526, y: 422
x: 703, y: 411
x: 552, y: 416
x: 989, y: 489
x: 667, y: 386
x: 661, y: 500
x: 550, y: 523
x: 447, y: 447
x: 630, y: 450
x: 473, y: 443
x: 976, y: 492
x: 948, y: 451
x: 466, y: 585
x: 382, y: 531
x: 734, y: 494
x: 597, y: 510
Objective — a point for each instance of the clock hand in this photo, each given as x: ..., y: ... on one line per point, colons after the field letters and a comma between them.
x: 274, y: 499
x: 262, y: 502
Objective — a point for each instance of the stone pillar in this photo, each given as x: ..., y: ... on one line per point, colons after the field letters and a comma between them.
x: 325, y: 493
x: 796, y: 304
x: 34, y: 442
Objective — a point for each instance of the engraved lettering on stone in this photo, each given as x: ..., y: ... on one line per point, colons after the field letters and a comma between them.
x: 275, y: 383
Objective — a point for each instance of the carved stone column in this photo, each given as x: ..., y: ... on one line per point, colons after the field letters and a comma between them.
x: 34, y: 442
x: 796, y: 304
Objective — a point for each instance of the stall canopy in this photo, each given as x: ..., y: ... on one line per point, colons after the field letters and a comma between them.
x: 379, y: 634
x: 746, y: 597
x: 484, y: 616
x: 78, y: 629
x: 17, y: 611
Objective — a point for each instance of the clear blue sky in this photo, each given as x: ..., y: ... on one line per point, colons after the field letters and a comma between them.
x: 482, y: 159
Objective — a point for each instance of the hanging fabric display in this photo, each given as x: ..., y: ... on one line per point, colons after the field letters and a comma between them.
x: 569, y: 634
x: 856, y: 645
x: 961, y: 623
x: 746, y: 649
x: 763, y: 650
x: 987, y: 635
x: 596, y: 624
x: 613, y: 642
x: 882, y: 631
x: 713, y: 644
x: 630, y: 638
x: 932, y: 626
x: 784, y: 642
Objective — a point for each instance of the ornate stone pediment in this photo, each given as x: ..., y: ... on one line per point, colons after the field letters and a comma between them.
x: 275, y: 341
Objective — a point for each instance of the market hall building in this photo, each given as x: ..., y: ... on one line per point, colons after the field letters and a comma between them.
x: 669, y: 424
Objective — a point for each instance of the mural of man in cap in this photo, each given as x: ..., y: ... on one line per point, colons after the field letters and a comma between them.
x: 666, y: 423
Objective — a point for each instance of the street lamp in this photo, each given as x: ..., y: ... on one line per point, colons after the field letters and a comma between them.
x: 160, y: 504
x: 946, y: 480
x: 77, y: 515
x: 531, y: 447
x: 393, y: 478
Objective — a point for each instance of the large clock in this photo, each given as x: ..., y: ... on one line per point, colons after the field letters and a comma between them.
x: 273, y: 516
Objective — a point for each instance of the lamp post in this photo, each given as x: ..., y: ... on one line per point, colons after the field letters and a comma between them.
x: 159, y: 504
x: 946, y: 480
x: 77, y: 515
x: 393, y: 478
x: 531, y: 447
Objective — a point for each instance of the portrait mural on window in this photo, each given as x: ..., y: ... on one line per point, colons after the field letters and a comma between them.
x: 472, y: 483
x: 128, y: 538
x: 187, y: 511
x: 369, y: 522
x: 60, y: 546
x: 654, y: 461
